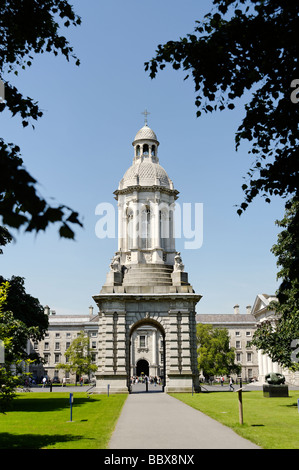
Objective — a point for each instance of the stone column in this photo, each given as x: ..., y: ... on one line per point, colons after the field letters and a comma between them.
x: 113, y: 354
x: 180, y: 376
x: 265, y: 365
x: 120, y: 227
x: 154, y: 345
x: 260, y: 363
x: 136, y: 225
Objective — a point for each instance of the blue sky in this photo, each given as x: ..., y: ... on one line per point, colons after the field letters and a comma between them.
x: 82, y: 146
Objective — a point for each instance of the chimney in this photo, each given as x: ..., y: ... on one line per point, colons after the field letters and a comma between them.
x: 47, y: 310
x: 248, y: 309
x: 91, y: 310
x: 237, y: 309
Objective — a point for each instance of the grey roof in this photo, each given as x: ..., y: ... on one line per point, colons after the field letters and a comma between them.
x: 225, y: 318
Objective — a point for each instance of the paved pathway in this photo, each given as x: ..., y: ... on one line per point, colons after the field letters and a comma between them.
x: 159, y: 421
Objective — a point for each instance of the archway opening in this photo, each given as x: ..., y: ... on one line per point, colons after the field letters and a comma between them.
x: 142, y: 367
x: 147, y: 356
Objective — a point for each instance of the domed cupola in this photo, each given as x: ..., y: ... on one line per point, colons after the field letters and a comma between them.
x: 145, y: 170
x: 145, y: 145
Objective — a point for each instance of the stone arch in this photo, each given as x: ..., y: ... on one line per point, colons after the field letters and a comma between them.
x: 158, y: 325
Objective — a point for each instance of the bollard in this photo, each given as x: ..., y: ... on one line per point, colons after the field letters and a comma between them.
x: 71, y: 406
x: 108, y: 387
x: 240, y: 406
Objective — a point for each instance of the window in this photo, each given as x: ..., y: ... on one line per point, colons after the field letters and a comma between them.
x: 67, y: 344
x: 145, y: 149
x: 248, y: 333
x: 145, y: 228
x: 238, y: 357
x: 249, y: 357
x: 237, y: 333
x: 94, y: 334
x: 57, y: 346
x: 93, y: 357
x: 238, y: 344
x: 46, y: 346
x: 138, y: 150
x: 68, y: 335
x: 57, y: 335
x: 248, y: 344
x: 153, y: 150
x: 35, y: 345
x: 164, y: 227
x: 94, y: 344
x: 56, y: 358
x: 47, y: 358
x: 142, y: 341
x: 130, y: 221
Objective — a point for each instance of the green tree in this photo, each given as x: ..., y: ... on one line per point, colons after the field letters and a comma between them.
x: 79, y: 359
x: 248, y: 48
x: 277, y: 337
x: 29, y: 27
x: 215, y: 357
x: 13, y: 335
x: 25, y: 307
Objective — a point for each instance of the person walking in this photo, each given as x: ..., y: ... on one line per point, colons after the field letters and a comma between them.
x: 231, y: 384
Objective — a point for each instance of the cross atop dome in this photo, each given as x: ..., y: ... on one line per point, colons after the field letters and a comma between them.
x: 146, y: 113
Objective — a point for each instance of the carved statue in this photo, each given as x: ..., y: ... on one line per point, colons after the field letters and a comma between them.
x: 275, y: 378
x: 178, y: 263
x: 115, y: 264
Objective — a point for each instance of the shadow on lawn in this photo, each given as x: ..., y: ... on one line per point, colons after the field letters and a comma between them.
x: 46, y: 403
x: 34, y: 441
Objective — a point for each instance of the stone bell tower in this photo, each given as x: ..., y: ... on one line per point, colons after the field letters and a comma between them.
x: 147, y: 283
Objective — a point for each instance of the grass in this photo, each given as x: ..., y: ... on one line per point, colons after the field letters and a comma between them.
x: 41, y: 421
x: 271, y: 423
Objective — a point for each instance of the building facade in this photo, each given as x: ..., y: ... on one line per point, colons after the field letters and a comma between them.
x: 147, y: 348
x: 261, y: 311
x: 241, y: 328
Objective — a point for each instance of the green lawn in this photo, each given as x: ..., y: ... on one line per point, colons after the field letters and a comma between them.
x: 271, y: 423
x: 41, y: 421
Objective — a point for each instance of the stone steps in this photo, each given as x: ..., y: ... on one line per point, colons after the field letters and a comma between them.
x: 148, y: 274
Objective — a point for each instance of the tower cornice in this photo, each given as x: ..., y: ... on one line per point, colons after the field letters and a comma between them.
x: 138, y: 188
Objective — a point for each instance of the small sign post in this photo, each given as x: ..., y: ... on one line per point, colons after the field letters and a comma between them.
x: 71, y: 406
x: 240, y: 405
